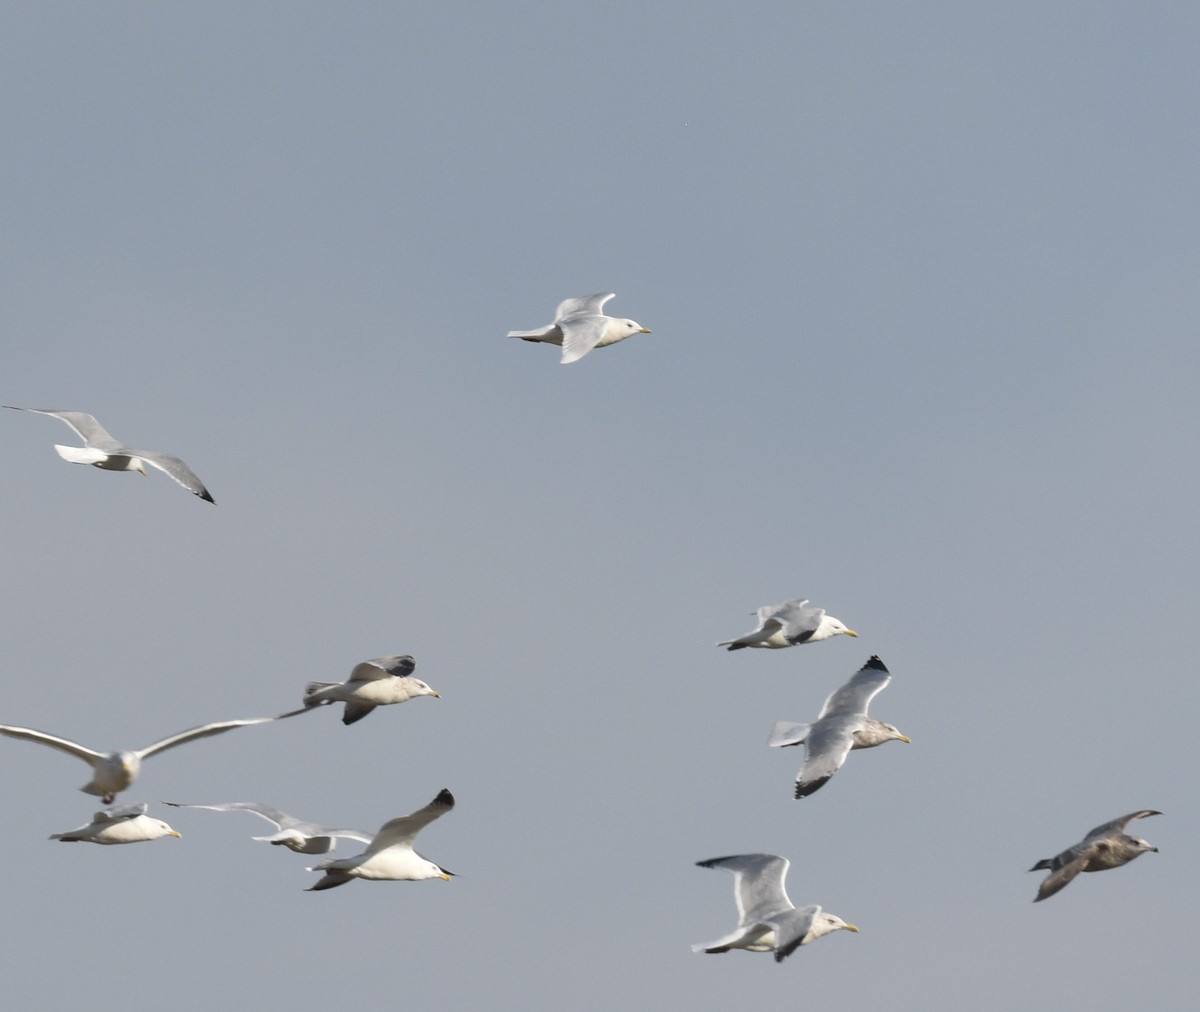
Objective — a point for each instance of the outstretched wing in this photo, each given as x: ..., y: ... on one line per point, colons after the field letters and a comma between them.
x: 82, y: 424
x: 403, y: 830
x: 62, y: 744
x: 280, y: 820
x: 203, y: 731
x: 826, y: 747
x: 757, y: 884
x: 1118, y: 825
x: 855, y: 696
x: 1065, y: 872
x: 177, y: 469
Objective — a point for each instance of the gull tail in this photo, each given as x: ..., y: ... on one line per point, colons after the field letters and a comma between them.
x: 81, y: 454
x: 785, y: 733
x: 314, y: 693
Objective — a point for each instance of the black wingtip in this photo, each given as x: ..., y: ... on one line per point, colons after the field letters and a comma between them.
x: 736, y: 646
x: 206, y: 497
x: 804, y: 790
x: 444, y: 798
x: 875, y: 663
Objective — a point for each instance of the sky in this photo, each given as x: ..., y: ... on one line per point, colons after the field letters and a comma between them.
x: 921, y: 281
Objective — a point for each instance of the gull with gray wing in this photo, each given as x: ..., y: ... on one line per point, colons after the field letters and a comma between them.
x: 113, y: 772
x: 295, y: 834
x: 372, y: 683
x: 1106, y: 846
x: 841, y: 727
x: 789, y: 624
x: 767, y: 919
x: 128, y: 824
x: 390, y: 855
x: 101, y: 450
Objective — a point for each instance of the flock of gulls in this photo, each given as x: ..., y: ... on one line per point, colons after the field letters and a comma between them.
x: 768, y: 921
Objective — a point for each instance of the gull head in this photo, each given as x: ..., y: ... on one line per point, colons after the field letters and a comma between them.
x: 420, y: 688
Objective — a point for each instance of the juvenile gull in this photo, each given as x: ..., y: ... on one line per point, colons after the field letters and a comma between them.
x: 128, y: 824
x: 841, y: 726
x: 767, y: 920
x: 789, y: 624
x: 101, y: 450
x: 390, y: 855
x: 1105, y: 847
x: 579, y: 326
x: 113, y: 772
x: 295, y: 834
x: 372, y: 683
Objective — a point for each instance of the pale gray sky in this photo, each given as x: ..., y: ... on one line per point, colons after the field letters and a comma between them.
x: 922, y: 281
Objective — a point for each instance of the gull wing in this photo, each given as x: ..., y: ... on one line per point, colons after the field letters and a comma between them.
x: 175, y: 468
x: 757, y: 884
x: 281, y: 820
x: 1064, y: 873
x: 786, y: 733
x: 799, y: 622
x: 192, y: 733
x: 82, y: 424
x: 1118, y: 825
x: 826, y: 747
x: 550, y: 330
x: 790, y: 927
x: 580, y: 335
x: 586, y: 305
x: 855, y: 696
x: 62, y: 744
x: 403, y: 830
x: 122, y: 814
x: 400, y: 666
x: 350, y: 834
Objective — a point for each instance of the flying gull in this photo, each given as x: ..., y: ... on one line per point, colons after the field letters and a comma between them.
x: 113, y: 772
x: 841, y: 726
x: 372, y: 683
x: 1105, y: 847
x: 128, y: 824
x: 767, y: 920
x: 579, y: 326
x: 101, y: 450
x: 295, y: 834
x: 789, y: 624
x: 390, y: 855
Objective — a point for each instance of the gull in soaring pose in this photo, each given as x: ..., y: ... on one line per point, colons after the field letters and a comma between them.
x: 101, y: 450
x: 295, y: 834
x: 841, y: 726
x: 113, y: 772
x: 1105, y: 847
x: 767, y: 920
x: 390, y: 855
